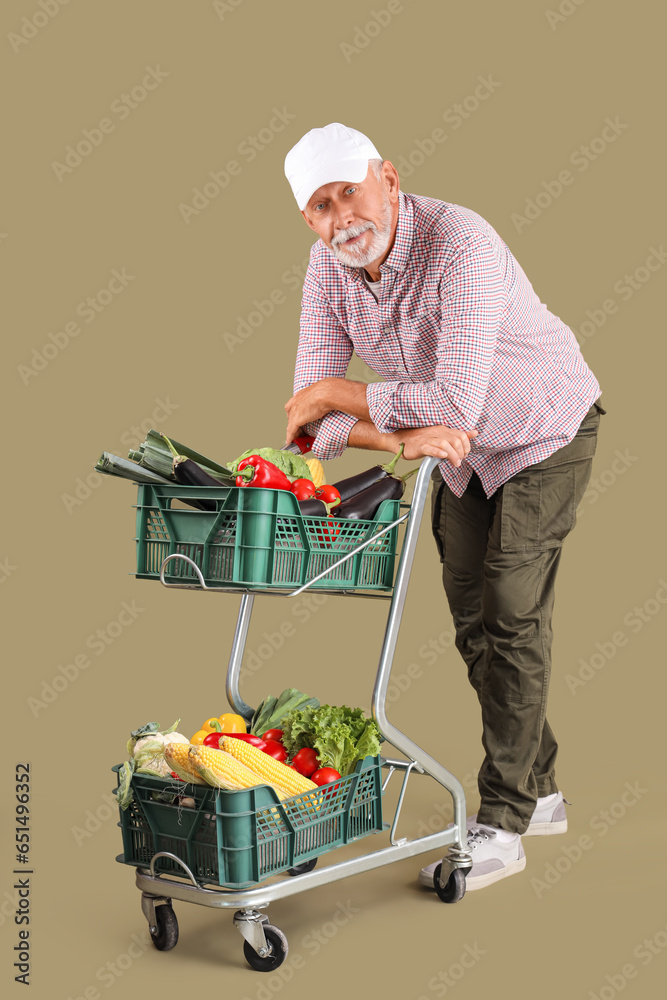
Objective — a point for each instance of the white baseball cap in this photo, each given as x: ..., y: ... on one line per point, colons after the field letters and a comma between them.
x: 325, y: 155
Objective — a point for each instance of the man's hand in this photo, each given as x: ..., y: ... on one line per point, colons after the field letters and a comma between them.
x: 322, y: 397
x: 445, y: 443
x: 303, y: 408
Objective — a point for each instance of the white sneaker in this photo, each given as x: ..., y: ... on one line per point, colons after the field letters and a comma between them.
x: 548, y: 818
x: 491, y: 859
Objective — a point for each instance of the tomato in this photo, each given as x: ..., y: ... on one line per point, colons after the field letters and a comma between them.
x: 275, y: 749
x: 306, y: 761
x: 303, y: 489
x: 273, y: 734
x: 328, y: 494
x: 325, y: 775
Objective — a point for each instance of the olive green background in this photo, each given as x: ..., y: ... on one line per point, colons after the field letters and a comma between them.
x: 67, y: 541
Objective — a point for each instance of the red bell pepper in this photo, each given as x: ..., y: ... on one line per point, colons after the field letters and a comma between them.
x: 259, y: 472
x: 329, y: 531
x: 213, y: 739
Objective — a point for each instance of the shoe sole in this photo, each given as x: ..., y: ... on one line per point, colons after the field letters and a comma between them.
x: 481, y: 882
x: 545, y: 829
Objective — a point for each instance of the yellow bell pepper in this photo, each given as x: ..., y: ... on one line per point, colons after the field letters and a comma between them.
x: 212, y: 725
x: 199, y: 737
x: 232, y: 723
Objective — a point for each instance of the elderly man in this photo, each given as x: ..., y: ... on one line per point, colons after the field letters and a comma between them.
x: 481, y: 375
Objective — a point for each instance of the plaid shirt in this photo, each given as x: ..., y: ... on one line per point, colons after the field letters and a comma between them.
x: 460, y: 338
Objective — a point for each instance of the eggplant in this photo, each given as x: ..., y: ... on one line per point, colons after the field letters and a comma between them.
x: 313, y: 508
x: 364, y: 506
x: 354, y: 485
x: 188, y: 473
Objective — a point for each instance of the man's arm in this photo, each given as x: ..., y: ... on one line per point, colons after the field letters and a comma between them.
x: 323, y: 353
x: 444, y: 443
x: 315, y: 401
x: 342, y: 394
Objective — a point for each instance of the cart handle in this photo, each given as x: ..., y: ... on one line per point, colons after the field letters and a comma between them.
x: 185, y: 586
x: 172, y: 857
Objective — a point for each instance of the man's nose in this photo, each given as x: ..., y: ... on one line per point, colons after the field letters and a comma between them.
x: 343, y: 216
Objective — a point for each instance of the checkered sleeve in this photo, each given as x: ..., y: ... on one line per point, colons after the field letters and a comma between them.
x: 324, y: 351
x: 473, y: 300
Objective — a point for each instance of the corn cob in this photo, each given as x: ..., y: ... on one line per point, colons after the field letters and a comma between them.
x: 213, y: 767
x: 223, y: 770
x: 317, y: 472
x: 176, y: 755
x: 268, y: 768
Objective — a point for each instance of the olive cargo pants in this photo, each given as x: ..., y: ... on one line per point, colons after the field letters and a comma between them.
x: 499, y: 561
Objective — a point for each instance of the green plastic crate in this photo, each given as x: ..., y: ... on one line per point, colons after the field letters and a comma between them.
x: 238, y: 838
x: 258, y: 538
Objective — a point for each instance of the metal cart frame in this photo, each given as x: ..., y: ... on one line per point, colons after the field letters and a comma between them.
x: 265, y: 946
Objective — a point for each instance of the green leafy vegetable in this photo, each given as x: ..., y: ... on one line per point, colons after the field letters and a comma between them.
x: 291, y: 465
x: 125, y: 794
x: 340, y: 735
x: 271, y: 711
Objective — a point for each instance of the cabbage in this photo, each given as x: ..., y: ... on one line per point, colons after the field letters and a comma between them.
x: 294, y: 466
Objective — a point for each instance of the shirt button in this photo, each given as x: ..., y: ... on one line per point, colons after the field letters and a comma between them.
x: 386, y: 329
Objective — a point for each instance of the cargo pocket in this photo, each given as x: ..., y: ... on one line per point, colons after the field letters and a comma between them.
x: 590, y: 424
x: 538, y: 510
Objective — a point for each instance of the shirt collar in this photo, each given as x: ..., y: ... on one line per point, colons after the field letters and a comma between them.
x: 400, y: 252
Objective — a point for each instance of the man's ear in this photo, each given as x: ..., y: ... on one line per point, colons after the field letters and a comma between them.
x: 311, y: 226
x: 391, y: 181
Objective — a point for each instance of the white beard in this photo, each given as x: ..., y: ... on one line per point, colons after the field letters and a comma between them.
x: 355, y: 255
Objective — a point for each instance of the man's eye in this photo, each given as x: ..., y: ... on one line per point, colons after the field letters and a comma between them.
x: 319, y: 206
x: 350, y: 190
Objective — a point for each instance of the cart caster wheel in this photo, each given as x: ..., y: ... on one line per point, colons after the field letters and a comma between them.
x: 307, y: 866
x: 165, y: 935
x: 455, y: 887
x: 276, y: 941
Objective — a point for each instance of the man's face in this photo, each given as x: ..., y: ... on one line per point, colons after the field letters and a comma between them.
x: 357, y: 221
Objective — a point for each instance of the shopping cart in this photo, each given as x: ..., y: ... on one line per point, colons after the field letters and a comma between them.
x: 224, y: 848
